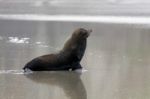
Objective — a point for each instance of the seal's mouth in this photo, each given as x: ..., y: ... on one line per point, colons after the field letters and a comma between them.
x: 89, y: 32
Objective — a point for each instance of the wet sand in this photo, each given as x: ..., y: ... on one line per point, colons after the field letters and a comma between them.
x: 117, y: 61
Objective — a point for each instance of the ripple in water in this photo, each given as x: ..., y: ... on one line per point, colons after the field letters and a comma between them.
x: 29, y: 72
x: 13, y: 72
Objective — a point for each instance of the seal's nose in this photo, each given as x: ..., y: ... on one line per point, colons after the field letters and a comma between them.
x: 89, y: 31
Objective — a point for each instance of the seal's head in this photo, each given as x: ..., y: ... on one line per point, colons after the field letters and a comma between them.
x: 81, y: 33
x: 77, y: 40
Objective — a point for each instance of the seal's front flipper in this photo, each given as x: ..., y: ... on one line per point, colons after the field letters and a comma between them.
x: 76, y: 66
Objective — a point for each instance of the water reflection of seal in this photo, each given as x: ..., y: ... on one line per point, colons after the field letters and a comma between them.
x: 66, y: 59
x: 70, y: 82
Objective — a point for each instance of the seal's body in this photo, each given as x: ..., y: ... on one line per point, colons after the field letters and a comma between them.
x: 66, y: 59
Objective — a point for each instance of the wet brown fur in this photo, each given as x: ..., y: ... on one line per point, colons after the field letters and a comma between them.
x: 67, y: 58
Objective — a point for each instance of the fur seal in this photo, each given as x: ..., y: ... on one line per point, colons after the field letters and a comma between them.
x: 66, y: 59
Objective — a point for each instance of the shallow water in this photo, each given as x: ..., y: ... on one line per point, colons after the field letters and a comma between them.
x: 117, y: 61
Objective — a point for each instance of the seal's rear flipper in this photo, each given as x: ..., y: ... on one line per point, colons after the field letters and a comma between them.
x: 76, y: 66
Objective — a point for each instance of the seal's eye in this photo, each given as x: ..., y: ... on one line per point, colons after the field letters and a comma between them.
x: 83, y: 32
